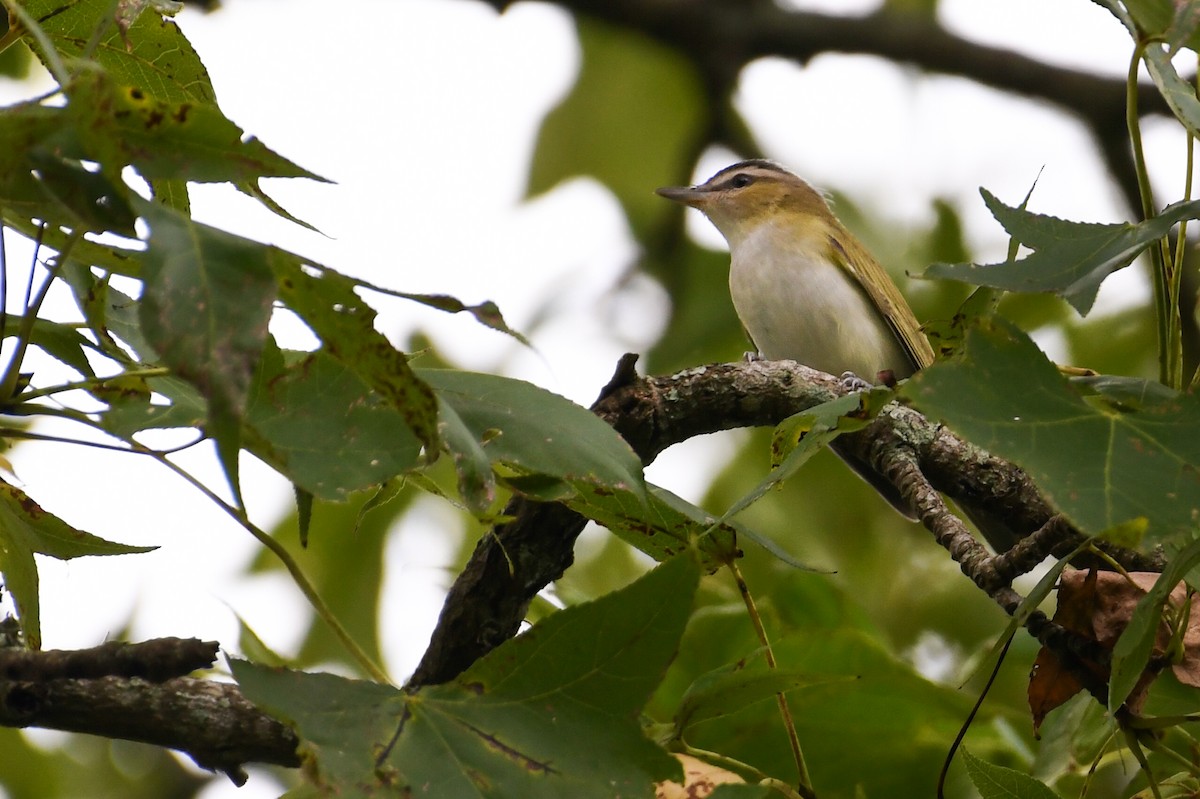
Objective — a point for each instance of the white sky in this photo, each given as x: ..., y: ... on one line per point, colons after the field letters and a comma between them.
x: 424, y: 113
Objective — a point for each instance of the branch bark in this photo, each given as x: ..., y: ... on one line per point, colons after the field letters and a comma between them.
x: 488, y: 601
x: 137, y: 692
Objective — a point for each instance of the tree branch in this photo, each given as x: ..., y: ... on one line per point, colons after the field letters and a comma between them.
x: 210, y: 721
x: 125, y: 691
x: 510, y: 565
x: 95, y: 691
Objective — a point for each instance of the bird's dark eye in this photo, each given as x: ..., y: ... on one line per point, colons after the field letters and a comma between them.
x: 740, y: 181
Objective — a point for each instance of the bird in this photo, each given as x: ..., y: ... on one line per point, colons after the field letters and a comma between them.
x: 805, y: 289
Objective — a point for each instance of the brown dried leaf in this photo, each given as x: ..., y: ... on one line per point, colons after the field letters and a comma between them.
x: 1099, y: 606
x: 1050, y: 685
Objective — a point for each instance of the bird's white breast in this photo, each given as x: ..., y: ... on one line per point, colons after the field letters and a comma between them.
x: 796, y: 303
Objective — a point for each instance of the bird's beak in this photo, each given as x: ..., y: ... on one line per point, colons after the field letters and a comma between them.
x: 695, y: 196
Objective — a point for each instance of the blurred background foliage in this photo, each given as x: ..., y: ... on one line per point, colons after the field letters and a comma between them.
x: 889, y: 605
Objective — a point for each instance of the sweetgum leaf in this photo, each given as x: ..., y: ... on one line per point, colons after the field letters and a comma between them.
x: 997, y: 782
x: 1179, y: 93
x: 735, y: 687
x: 550, y: 713
x: 182, y: 140
x: 1070, y: 259
x: 151, y: 53
x: 1101, y: 466
x: 328, y: 303
x: 532, y: 432
x: 660, y: 524
x: 205, y: 308
x: 317, y: 423
x: 25, y: 530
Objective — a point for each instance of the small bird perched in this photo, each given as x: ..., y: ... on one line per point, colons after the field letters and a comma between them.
x: 806, y: 290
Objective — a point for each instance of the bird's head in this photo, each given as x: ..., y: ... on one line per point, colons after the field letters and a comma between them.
x: 741, y: 197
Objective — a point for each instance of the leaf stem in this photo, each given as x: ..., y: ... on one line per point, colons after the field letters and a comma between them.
x: 724, y: 761
x: 293, y: 567
x: 804, y: 780
x: 1170, y: 356
x: 83, y: 385
x: 12, y: 372
x: 1135, y: 747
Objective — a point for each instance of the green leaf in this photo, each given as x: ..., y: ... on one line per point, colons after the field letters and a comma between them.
x: 735, y: 687
x: 1134, y: 647
x: 26, y: 529
x: 1179, y: 93
x: 26, y: 129
x: 94, y: 202
x: 660, y: 524
x: 251, y: 188
x: 635, y: 107
x: 62, y: 342
x: 997, y: 782
x: 472, y: 465
x: 109, y: 311
x: 1135, y: 393
x: 317, y: 423
x: 550, y: 713
x: 799, y: 437
x: 533, y: 433
x: 328, y: 304
x: 136, y: 411
x: 1071, y: 259
x: 166, y: 139
x: 1101, y: 467
x: 205, y: 308
x: 1174, y: 21
x: 487, y: 313
x: 151, y: 53
x: 250, y: 645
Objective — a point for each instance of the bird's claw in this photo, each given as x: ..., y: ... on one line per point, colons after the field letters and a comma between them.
x: 852, y: 382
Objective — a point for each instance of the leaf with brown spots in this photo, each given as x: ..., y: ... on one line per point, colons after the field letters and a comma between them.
x: 205, y: 308
x: 345, y: 323
x: 120, y: 125
x: 317, y: 423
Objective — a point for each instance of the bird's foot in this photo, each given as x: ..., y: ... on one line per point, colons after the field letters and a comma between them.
x: 852, y: 382
x: 752, y: 357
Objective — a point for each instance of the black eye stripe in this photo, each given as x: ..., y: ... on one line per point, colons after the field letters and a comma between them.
x: 739, y: 181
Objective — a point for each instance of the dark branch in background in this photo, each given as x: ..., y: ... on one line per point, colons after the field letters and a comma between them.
x: 720, y: 37
x: 488, y: 601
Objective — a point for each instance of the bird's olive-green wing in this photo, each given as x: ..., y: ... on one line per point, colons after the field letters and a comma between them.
x: 884, y: 294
